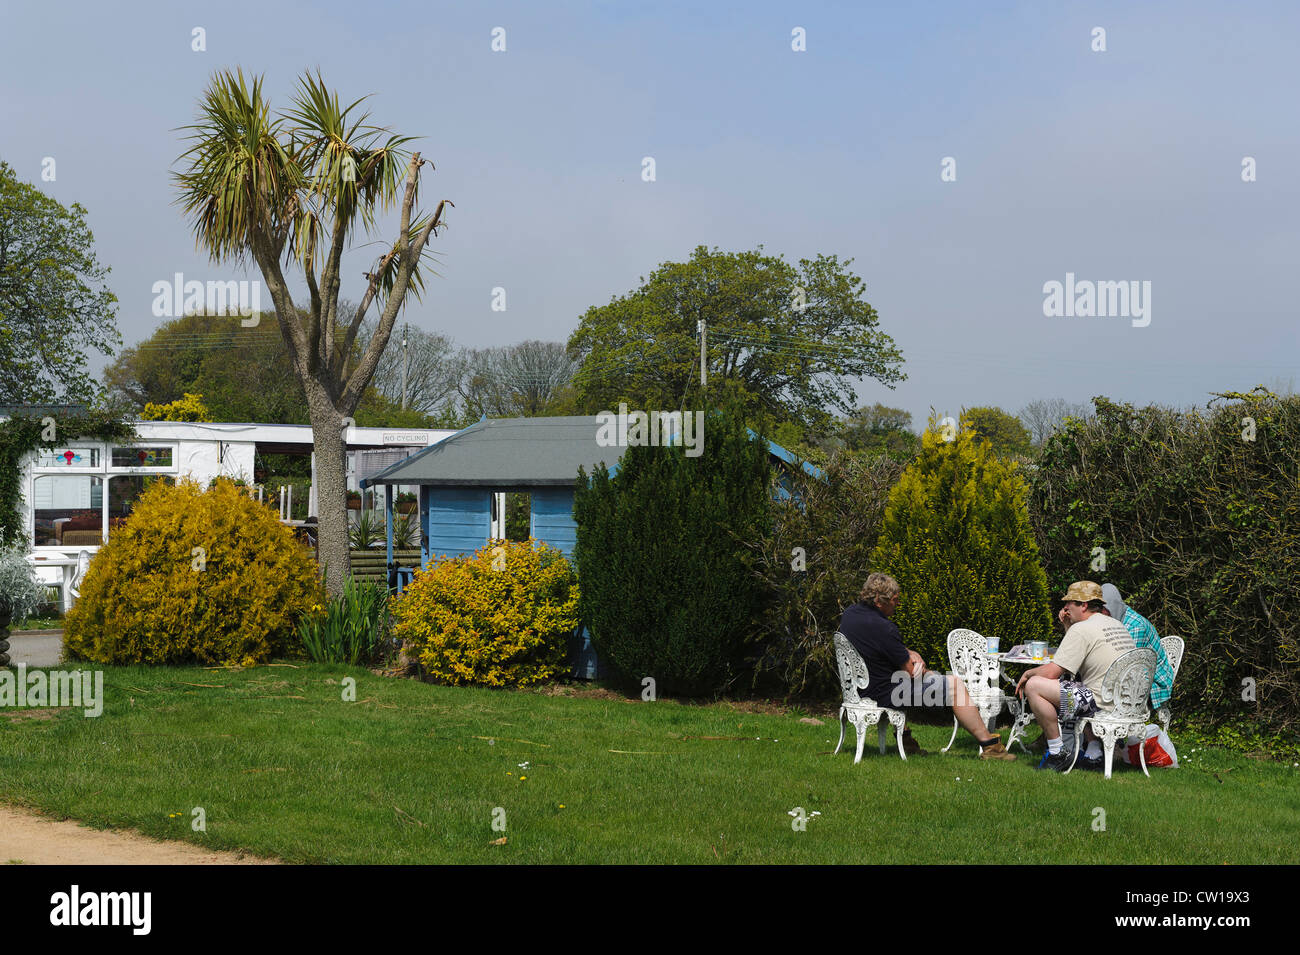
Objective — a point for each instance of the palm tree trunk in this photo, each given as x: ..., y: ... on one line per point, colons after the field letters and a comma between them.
x: 331, y: 488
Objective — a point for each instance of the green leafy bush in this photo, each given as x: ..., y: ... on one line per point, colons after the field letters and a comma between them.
x: 353, y: 629
x: 1197, y: 518
x: 668, y: 589
x: 194, y: 577
x: 812, y: 560
x: 502, y: 617
x: 958, y: 539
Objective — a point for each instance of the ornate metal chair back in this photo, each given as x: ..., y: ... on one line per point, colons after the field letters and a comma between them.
x: 1174, y: 647
x: 1126, y: 687
x: 853, y: 670
x: 968, y: 656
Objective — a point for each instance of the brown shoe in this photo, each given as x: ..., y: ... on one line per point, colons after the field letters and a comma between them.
x: 997, y: 751
x: 910, y: 746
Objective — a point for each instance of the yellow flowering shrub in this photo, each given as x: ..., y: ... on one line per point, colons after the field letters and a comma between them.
x: 499, y: 618
x: 188, y: 408
x: 194, y: 576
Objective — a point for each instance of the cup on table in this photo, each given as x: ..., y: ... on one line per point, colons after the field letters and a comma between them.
x: 1038, y: 650
x: 994, y: 642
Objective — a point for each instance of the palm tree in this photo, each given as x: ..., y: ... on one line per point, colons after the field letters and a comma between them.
x: 288, y: 190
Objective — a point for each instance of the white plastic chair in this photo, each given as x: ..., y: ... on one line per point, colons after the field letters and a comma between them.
x: 1126, y: 688
x: 862, y: 711
x: 1174, y: 647
x: 969, y: 659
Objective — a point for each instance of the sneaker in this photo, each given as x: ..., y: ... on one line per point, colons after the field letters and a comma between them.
x: 1094, y: 764
x: 1058, y: 763
x: 997, y: 751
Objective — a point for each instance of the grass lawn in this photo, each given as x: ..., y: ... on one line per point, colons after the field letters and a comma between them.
x: 412, y: 773
x: 43, y: 622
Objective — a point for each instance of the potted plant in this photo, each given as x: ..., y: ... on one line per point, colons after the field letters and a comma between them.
x: 406, y: 503
x: 20, y: 593
x: 354, y: 500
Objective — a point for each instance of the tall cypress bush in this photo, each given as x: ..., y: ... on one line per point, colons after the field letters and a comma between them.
x: 957, y: 537
x: 667, y: 590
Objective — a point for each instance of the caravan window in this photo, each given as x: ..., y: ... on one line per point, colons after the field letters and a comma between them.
x: 69, y: 510
x: 142, y: 456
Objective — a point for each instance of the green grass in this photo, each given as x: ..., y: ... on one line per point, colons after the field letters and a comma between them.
x: 43, y: 622
x: 411, y: 773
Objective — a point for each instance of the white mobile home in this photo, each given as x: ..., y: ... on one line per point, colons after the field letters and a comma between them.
x: 74, y: 495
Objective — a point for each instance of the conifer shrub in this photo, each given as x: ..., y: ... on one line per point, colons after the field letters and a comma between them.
x: 958, y: 539
x: 502, y: 617
x: 669, y: 591
x: 194, y: 576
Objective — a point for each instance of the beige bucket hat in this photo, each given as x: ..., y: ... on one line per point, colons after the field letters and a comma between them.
x: 1084, y: 591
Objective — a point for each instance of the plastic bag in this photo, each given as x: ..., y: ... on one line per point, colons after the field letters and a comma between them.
x: 1159, y: 749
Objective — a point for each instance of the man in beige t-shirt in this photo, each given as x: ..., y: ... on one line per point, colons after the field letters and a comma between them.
x: 1070, y: 686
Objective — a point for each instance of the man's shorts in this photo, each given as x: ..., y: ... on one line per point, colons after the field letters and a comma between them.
x: 932, y: 689
x: 1076, y: 701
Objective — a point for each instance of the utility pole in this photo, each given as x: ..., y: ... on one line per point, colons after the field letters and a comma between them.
x: 702, y: 327
x: 404, y: 363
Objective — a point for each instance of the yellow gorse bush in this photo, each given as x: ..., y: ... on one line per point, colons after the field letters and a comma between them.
x: 499, y: 618
x: 194, y: 576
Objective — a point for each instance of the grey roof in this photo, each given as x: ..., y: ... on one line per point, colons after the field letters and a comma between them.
x: 506, y: 451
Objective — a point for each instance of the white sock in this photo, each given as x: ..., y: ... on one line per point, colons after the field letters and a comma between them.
x: 1053, y: 746
x: 1093, y: 751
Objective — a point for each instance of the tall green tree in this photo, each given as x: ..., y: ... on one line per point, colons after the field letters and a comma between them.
x: 878, y: 429
x: 1002, y: 430
x: 54, y: 303
x: 293, y: 189
x: 957, y: 537
x: 787, y: 342
x: 243, y: 373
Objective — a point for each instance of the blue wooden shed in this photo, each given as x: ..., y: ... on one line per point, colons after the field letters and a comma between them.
x: 538, y: 456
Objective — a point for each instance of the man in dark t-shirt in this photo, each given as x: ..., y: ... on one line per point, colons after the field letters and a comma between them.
x: 897, y: 677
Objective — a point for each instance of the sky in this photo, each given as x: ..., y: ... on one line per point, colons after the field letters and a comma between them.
x: 1115, y: 165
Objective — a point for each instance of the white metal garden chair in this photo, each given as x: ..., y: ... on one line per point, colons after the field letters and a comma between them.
x: 969, y: 659
x: 83, y: 564
x: 862, y: 711
x: 1126, y: 688
x: 1174, y: 647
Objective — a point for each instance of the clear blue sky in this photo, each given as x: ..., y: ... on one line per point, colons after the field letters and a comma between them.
x: 1122, y: 165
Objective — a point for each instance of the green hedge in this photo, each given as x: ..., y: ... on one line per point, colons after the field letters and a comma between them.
x: 1199, y: 527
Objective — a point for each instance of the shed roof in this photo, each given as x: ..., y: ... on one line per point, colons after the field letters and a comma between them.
x: 506, y: 451
x: 520, y: 452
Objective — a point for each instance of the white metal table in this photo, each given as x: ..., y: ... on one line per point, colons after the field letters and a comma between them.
x: 1022, y: 714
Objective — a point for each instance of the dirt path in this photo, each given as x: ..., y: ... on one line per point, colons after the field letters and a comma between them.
x: 35, y: 840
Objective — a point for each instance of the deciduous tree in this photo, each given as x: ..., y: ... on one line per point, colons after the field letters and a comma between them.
x: 54, y: 303
x: 786, y: 341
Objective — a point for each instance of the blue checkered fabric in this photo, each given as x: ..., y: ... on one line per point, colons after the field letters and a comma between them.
x: 1145, y: 636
